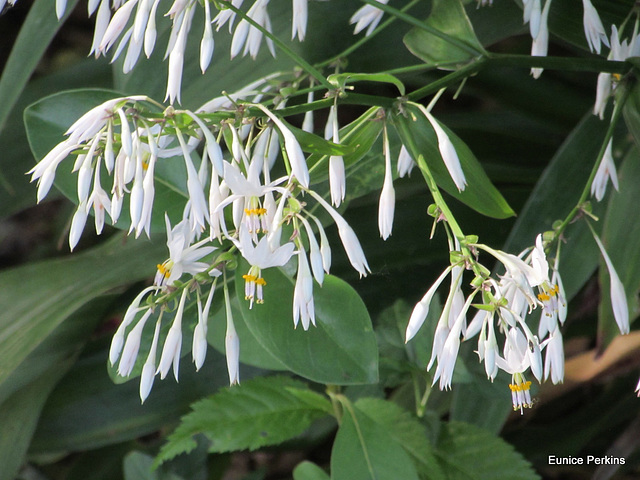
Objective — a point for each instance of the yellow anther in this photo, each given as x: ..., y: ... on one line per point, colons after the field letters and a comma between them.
x: 250, y: 278
x: 521, y: 387
x: 260, y: 281
x: 543, y: 297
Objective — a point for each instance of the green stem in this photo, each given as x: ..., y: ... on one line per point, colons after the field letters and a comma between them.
x: 617, y: 111
x: 559, y: 63
x: 348, y: 51
x: 424, y: 26
x: 450, y: 79
x: 439, y: 200
x: 306, y: 66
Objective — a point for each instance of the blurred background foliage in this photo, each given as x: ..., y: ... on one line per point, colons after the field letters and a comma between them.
x: 61, y: 416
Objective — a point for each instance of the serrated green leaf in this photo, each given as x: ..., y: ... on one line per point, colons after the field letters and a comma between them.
x: 468, y: 452
x: 340, y: 350
x: 407, y: 431
x: 309, y: 471
x: 366, y: 450
x: 48, y: 119
x: 87, y: 411
x: 259, y: 412
x: 419, y: 138
x: 341, y: 80
x: 450, y: 18
x: 620, y: 238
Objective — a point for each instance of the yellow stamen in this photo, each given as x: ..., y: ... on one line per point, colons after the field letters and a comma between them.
x: 521, y: 387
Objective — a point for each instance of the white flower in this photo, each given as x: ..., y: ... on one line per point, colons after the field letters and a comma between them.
x: 250, y: 37
x: 299, y: 22
x: 348, y: 236
x: 292, y: 147
x: 173, y: 343
x: 618, y: 296
x: 447, y: 151
x: 554, y: 358
x: 606, y: 171
x: 183, y: 257
x: 303, y: 307
x: 260, y: 256
x: 405, y: 162
x: 540, y: 44
x: 149, y: 368
x: 131, y: 346
x: 367, y: 16
x: 386, y: 206
x: 603, y: 90
x: 232, y: 348
x: 593, y: 28
x: 199, y: 347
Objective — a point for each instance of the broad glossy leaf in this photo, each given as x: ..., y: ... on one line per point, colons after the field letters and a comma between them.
x: 36, y: 33
x: 620, y: 238
x: 341, y: 349
x: 468, y: 452
x: 19, y: 415
x: 309, y: 471
x: 259, y: 412
x: 407, y: 431
x: 16, y: 192
x: 418, y: 136
x: 48, y: 119
x: 139, y: 466
x: 37, y: 297
x: 450, y: 18
x: 365, y: 450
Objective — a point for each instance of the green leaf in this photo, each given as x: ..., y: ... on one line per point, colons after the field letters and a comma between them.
x: 48, y: 119
x: 251, y: 350
x: 19, y: 416
x: 139, y: 466
x: 16, y: 192
x: 471, y: 453
x: 259, y: 412
x: 555, y: 194
x: 87, y: 411
x: 312, y: 143
x: 450, y: 18
x: 419, y: 138
x: 309, y: 471
x: 341, y: 349
x: 360, y: 135
x: 620, y: 238
x: 407, y: 431
x: 36, y: 300
x: 34, y: 38
x: 366, y: 450
x: 340, y: 80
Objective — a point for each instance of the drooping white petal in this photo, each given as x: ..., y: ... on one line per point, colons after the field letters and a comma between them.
x: 617, y: 293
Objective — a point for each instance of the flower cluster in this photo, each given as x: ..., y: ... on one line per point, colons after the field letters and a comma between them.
x: 505, y: 313
x: 537, y: 17
x: 232, y: 205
